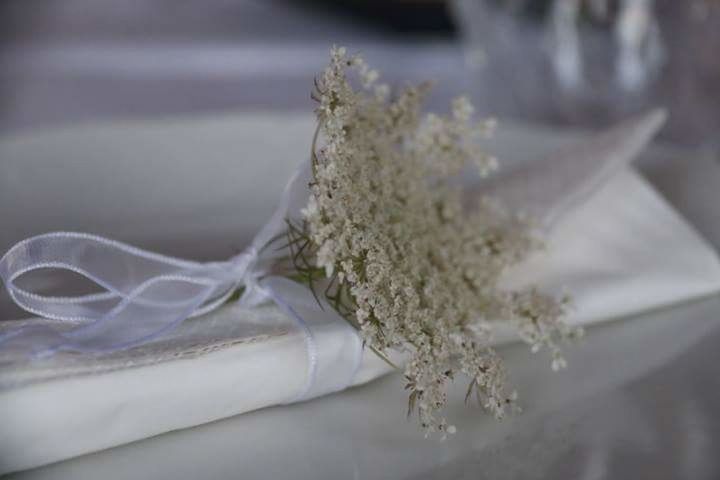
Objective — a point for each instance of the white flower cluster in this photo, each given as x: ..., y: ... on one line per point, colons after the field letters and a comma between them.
x: 419, y: 272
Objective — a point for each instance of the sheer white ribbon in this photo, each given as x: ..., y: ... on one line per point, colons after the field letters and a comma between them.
x: 146, y: 294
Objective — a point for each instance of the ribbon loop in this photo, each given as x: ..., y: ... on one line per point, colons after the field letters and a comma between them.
x: 144, y: 295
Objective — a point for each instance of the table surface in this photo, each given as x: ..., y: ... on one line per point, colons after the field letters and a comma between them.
x: 639, y: 400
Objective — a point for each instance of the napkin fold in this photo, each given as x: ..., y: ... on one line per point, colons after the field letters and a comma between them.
x: 614, y: 244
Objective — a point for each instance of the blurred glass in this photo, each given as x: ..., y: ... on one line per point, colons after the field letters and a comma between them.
x: 591, y: 62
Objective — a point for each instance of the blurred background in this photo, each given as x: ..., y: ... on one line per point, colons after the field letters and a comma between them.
x: 559, y: 62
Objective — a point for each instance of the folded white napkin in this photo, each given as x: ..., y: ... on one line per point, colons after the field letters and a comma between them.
x: 615, y: 245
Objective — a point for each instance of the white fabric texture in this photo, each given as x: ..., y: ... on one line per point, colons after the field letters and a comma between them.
x: 621, y: 251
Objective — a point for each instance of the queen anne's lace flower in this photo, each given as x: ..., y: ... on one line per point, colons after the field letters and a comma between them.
x: 411, y: 268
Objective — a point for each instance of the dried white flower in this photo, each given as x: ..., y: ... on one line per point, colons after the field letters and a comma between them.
x: 406, y: 264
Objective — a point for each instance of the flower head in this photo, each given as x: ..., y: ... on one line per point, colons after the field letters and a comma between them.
x: 412, y: 268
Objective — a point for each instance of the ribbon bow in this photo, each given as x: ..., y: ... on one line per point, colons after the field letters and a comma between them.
x: 145, y: 294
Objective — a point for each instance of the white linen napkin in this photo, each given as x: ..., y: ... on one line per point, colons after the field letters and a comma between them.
x: 620, y: 249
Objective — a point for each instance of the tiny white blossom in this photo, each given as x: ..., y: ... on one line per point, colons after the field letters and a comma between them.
x: 418, y: 272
